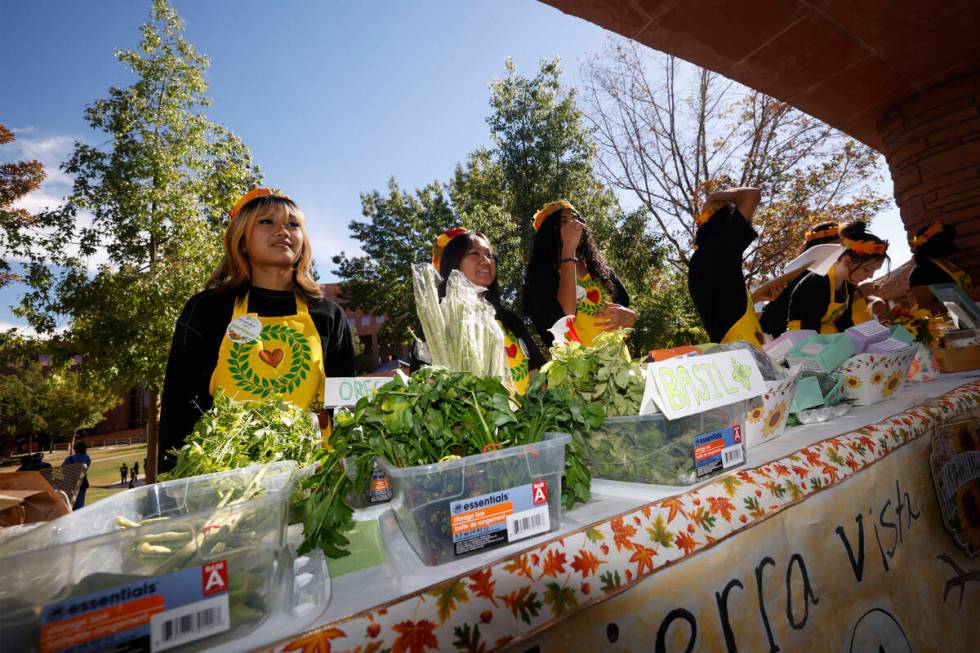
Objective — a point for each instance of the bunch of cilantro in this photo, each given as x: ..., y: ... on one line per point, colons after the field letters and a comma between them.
x: 421, y: 420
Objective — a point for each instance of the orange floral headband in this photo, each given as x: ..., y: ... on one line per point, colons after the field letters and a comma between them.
x: 865, y: 247
x: 705, y: 214
x: 829, y: 232
x: 444, y: 239
x: 254, y: 194
x: 548, y: 209
x: 934, y: 229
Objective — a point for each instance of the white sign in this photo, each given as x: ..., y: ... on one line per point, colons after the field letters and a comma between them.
x: 693, y: 384
x: 346, y: 390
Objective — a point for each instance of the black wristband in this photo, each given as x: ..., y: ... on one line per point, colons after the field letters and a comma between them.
x: 568, y: 260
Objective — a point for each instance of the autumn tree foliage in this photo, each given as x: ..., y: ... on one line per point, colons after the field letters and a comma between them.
x: 17, y: 179
x: 669, y: 132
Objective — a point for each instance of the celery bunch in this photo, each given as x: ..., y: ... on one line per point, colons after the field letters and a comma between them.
x: 461, y: 330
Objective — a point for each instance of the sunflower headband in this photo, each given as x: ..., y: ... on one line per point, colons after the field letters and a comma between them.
x: 865, y: 247
x: 829, y: 232
x: 548, y: 209
x: 254, y: 194
x: 444, y: 239
x: 934, y: 229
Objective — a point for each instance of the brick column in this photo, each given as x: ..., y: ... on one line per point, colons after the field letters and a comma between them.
x: 932, y: 145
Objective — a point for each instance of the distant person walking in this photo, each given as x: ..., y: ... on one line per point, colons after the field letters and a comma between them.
x: 134, y: 472
x: 80, y: 457
x: 123, y: 473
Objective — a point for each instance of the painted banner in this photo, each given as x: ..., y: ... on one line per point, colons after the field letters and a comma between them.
x: 863, y: 566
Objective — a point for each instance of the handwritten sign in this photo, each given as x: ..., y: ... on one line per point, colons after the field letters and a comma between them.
x: 345, y: 391
x: 689, y: 385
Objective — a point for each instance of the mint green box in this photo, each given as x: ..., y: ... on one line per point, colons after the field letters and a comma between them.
x: 822, y: 352
x: 808, y: 394
x: 901, y: 333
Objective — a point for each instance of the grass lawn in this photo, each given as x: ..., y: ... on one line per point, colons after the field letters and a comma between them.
x: 103, y: 474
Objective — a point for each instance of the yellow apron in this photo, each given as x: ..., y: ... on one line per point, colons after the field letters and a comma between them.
x: 271, y: 358
x: 959, y: 277
x: 517, y: 361
x: 592, y: 297
x: 860, y: 312
x: 834, y: 309
x: 747, y: 328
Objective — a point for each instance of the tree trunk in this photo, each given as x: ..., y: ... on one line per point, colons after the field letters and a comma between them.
x: 152, y: 435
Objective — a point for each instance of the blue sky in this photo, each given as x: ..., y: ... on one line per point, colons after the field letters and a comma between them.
x: 332, y: 98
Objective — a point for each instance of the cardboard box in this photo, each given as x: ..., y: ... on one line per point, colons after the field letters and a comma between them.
x: 958, y: 359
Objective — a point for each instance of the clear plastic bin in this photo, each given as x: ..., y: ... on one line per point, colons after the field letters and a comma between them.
x: 437, y: 506
x: 652, y: 448
x: 239, y: 517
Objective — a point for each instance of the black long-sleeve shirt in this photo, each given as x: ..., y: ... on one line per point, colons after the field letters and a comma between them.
x: 197, y: 340
x: 775, y: 315
x: 715, y: 278
x: 811, y: 299
x: 926, y: 273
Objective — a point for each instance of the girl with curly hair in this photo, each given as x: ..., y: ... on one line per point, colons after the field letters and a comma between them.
x: 568, y: 275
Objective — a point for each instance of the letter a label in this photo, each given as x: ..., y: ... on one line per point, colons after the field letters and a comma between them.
x: 214, y: 577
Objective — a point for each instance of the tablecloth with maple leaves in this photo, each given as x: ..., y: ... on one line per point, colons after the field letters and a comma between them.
x: 514, y: 598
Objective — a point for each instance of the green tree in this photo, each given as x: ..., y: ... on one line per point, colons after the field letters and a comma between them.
x: 399, y: 231
x: 146, y: 212
x: 72, y: 404
x: 22, y: 404
x: 540, y: 151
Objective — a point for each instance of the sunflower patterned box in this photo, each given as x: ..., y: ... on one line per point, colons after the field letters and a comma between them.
x: 871, y: 378
x: 766, y: 416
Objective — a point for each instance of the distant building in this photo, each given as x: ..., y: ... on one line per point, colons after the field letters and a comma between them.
x: 367, y: 328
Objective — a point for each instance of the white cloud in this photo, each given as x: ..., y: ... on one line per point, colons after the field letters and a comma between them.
x: 51, y: 150
x: 40, y: 200
x: 22, y: 329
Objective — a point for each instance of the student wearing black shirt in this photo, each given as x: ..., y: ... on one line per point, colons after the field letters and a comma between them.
x: 776, y: 312
x: 715, y: 278
x: 832, y: 303
x: 470, y: 252
x: 931, y: 247
x: 568, y: 275
x: 261, y: 328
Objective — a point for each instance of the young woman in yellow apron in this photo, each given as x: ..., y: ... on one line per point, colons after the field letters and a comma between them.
x: 715, y: 278
x: 931, y: 247
x: 261, y: 329
x: 832, y: 303
x: 568, y: 275
x: 775, y: 314
x: 470, y: 252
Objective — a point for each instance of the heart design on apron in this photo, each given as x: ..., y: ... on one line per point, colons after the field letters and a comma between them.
x: 271, y: 358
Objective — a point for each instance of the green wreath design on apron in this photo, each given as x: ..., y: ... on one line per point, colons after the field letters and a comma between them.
x: 584, y: 306
x: 520, y: 372
x: 246, y: 378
